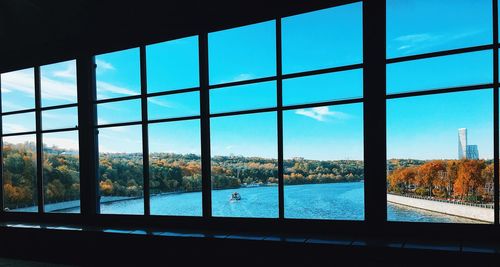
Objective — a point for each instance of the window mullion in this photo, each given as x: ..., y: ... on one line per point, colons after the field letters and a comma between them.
x: 39, y: 141
x: 205, y: 126
x: 374, y: 82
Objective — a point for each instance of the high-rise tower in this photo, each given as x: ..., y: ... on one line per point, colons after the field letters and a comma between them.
x: 462, y: 143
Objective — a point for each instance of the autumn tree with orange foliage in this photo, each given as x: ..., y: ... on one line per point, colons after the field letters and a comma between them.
x: 469, y: 180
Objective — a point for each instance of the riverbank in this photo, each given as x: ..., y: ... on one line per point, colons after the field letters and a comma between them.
x: 465, y: 211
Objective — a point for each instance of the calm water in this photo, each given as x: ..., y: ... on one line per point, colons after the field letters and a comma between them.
x: 319, y: 201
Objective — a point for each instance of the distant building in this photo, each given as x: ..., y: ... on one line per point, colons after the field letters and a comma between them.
x: 466, y: 151
x: 462, y: 143
x: 472, y: 152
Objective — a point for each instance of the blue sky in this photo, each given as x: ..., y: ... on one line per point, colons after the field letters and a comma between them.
x: 420, y: 127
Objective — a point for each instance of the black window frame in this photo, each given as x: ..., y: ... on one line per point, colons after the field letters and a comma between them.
x: 374, y: 127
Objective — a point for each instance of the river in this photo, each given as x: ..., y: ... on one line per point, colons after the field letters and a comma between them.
x: 340, y: 201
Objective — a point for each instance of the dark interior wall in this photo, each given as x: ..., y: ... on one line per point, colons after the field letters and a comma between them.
x: 37, y: 32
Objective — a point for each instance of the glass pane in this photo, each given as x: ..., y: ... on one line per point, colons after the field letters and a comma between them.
x: 440, y: 72
x: 323, y: 39
x: 173, y: 65
x: 243, y: 97
x: 118, y: 74
x: 429, y: 180
x: 60, y: 118
x: 172, y: 106
x: 120, y: 170
x: 175, y: 168
x: 61, y: 172
x: 58, y: 83
x: 19, y: 173
x: 323, y: 162
x: 323, y: 87
x: 423, y: 26
x: 18, y: 90
x: 18, y: 123
x: 242, y: 53
x: 244, y: 166
x: 120, y: 111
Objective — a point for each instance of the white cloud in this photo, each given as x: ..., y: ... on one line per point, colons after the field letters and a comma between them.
x: 160, y: 103
x: 103, y: 65
x: 69, y: 72
x: 411, y: 43
x: 58, y: 90
x: 239, y: 77
x: 415, y: 38
x: 7, y: 105
x: 107, y: 87
x: 321, y: 113
x: 23, y: 82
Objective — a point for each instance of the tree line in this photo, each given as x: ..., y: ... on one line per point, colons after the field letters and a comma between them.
x: 61, y: 175
x: 467, y: 180
x: 121, y: 174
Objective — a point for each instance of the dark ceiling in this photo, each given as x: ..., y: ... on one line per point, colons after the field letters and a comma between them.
x: 35, y: 32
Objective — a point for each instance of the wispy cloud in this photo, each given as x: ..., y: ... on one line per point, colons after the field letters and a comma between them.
x: 107, y: 87
x: 69, y: 72
x: 239, y: 77
x: 322, y: 113
x: 23, y: 82
x: 58, y: 90
x: 104, y: 65
x: 7, y: 105
x: 160, y: 103
x: 411, y: 43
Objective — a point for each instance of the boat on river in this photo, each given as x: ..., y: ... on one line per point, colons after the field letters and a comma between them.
x: 235, y: 196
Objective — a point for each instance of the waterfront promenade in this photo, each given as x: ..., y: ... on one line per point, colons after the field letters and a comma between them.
x: 475, y: 212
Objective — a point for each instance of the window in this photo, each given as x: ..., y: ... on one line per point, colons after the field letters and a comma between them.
x: 424, y: 167
x: 18, y: 90
x: 173, y: 65
x: 244, y: 166
x: 60, y: 146
x: 40, y: 141
x: 61, y: 172
x: 323, y: 87
x: 243, y: 53
x: 270, y: 117
x: 149, y: 142
x: 121, y: 170
x: 435, y: 105
x: 327, y: 38
x: 118, y: 74
x: 416, y: 27
x: 243, y: 97
x: 323, y: 162
x: 58, y: 83
x: 174, y: 106
x: 19, y: 173
x: 175, y: 168
x: 441, y: 72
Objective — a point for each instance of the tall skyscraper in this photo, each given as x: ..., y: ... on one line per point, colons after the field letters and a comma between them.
x: 462, y: 143
x: 466, y: 151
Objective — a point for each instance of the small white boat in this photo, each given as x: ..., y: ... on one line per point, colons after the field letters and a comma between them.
x: 235, y: 196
